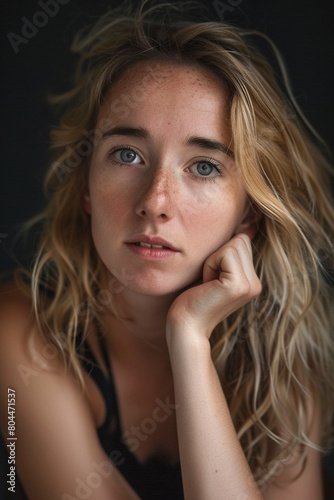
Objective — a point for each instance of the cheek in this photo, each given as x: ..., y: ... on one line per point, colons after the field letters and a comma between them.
x: 212, y: 205
x: 108, y: 206
x: 107, y: 218
x: 213, y: 216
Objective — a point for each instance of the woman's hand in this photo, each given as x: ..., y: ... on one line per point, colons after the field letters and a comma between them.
x: 229, y: 282
x: 211, y: 456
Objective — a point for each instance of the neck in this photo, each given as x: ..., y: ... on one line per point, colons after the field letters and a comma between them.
x: 137, y: 328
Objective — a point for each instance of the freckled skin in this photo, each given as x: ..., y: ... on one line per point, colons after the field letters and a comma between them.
x: 160, y: 196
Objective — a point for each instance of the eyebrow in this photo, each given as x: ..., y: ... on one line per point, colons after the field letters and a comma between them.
x: 128, y: 131
x: 213, y: 145
x: 141, y: 133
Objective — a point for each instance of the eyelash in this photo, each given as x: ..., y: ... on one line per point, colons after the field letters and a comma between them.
x: 215, y: 165
x: 111, y: 158
x: 199, y: 178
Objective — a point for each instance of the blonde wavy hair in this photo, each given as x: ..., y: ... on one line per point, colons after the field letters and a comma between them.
x: 274, y: 355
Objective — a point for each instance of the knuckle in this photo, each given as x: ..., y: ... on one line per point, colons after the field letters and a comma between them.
x: 245, y: 288
x: 230, y: 251
x: 242, y: 287
x: 241, y: 239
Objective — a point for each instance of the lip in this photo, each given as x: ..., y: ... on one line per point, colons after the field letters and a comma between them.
x: 151, y: 254
x: 151, y: 240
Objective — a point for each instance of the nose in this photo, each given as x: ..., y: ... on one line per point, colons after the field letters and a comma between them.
x: 155, y: 201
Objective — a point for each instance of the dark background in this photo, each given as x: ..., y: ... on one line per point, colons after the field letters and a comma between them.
x: 301, y: 29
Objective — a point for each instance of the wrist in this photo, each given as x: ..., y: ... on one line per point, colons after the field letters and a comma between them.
x: 187, y: 339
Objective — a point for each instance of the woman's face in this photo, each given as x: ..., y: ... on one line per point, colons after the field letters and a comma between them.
x: 162, y: 174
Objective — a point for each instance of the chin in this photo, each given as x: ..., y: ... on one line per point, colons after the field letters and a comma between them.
x: 157, y: 286
x: 156, y: 289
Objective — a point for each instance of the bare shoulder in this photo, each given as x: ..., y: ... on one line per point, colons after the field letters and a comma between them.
x: 16, y: 319
x: 15, y: 305
x: 13, y: 300
x: 20, y: 359
x: 17, y: 327
x: 53, y: 419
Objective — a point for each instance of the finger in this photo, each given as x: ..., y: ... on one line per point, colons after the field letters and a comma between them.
x: 232, y: 275
x: 232, y: 289
x: 212, y: 265
x: 233, y: 263
x: 246, y: 240
x: 226, y: 259
x: 244, y: 246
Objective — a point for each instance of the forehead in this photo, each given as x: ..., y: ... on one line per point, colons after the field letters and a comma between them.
x: 156, y: 91
x: 160, y: 75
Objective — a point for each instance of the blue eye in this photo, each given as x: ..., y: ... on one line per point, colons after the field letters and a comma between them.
x: 126, y: 155
x: 205, y: 169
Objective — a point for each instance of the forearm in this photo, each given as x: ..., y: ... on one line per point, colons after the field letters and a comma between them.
x: 213, y: 463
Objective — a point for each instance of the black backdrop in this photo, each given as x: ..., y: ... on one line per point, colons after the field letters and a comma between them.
x: 35, y: 61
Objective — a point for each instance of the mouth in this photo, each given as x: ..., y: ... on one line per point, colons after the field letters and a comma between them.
x: 153, y: 242
x: 147, y: 245
x: 151, y: 247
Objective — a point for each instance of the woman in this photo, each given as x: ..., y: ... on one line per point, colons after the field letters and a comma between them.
x: 173, y: 337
